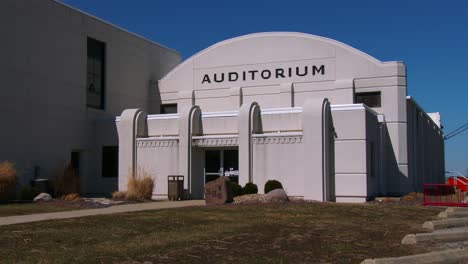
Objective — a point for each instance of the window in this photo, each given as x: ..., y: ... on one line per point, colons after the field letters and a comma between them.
x: 372, y: 159
x: 168, y: 109
x: 110, y: 161
x: 371, y: 99
x: 95, y: 70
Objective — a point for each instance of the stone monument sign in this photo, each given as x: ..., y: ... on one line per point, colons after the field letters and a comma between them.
x: 218, y: 191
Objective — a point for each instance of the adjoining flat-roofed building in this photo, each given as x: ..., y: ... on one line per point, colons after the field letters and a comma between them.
x: 65, y: 76
x: 329, y: 121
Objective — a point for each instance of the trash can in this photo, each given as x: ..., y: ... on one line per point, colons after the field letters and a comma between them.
x: 175, y: 187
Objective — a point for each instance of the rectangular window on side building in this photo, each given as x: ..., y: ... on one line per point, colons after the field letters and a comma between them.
x: 168, y: 109
x: 95, y: 73
x: 371, y: 99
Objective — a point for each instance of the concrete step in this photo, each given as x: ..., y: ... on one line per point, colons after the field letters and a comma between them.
x: 439, y: 236
x: 446, y: 223
x: 454, y: 214
x: 445, y: 257
x: 456, y: 209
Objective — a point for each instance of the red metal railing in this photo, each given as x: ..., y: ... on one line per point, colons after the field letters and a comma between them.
x: 445, y: 194
x: 460, y: 181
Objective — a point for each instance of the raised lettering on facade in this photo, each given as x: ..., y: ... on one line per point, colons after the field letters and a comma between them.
x: 266, y: 74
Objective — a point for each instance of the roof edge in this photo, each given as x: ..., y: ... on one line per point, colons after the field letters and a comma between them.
x: 117, y: 27
x: 411, y: 99
x: 272, y: 33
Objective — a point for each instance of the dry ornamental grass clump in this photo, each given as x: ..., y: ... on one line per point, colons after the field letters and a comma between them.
x: 119, y: 195
x: 66, y: 181
x: 140, y: 186
x: 8, y: 178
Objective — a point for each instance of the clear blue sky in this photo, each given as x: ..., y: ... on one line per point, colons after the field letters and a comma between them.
x: 431, y: 37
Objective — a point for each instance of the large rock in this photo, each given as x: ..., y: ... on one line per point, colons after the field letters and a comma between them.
x: 43, y: 197
x: 218, y: 191
x: 277, y: 195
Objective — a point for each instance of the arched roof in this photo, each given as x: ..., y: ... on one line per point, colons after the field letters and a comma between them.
x: 304, y: 36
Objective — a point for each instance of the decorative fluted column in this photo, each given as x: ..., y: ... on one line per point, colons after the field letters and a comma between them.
x: 249, y: 122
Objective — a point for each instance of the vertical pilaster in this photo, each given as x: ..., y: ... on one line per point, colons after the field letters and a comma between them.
x: 286, y: 95
x: 316, y: 128
x: 185, y: 99
x: 249, y: 122
x: 236, y: 97
x: 189, y: 124
x: 343, y: 91
x: 132, y: 124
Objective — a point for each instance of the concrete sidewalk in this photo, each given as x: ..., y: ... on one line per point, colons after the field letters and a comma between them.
x: 11, y: 220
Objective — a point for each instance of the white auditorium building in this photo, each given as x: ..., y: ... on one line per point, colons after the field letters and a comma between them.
x: 330, y: 122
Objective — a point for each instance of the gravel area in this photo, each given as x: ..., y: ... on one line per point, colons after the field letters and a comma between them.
x: 260, y: 198
x: 249, y: 199
x: 88, y: 203
x: 410, y: 199
x: 81, y: 204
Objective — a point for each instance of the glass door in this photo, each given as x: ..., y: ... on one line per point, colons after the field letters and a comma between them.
x: 212, y: 165
x: 231, y: 164
x: 222, y: 162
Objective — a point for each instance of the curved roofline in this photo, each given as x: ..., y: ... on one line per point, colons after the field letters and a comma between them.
x: 274, y: 33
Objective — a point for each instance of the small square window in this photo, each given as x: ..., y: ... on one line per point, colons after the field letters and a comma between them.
x: 110, y: 161
x: 168, y: 109
x: 371, y: 99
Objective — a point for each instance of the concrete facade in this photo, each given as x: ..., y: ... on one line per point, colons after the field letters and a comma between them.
x: 287, y: 103
x: 277, y: 105
x: 44, y: 111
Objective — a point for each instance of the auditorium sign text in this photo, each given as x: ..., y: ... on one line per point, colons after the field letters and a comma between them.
x: 265, y: 74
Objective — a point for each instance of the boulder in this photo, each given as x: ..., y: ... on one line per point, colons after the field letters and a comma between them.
x: 218, y: 191
x: 43, y: 197
x: 277, y: 195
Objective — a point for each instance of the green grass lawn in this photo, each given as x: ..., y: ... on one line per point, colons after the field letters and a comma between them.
x: 277, y: 233
x: 30, y: 208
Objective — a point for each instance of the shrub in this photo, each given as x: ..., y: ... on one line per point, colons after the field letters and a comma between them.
x: 27, y: 193
x: 272, y: 185
x: 236, y: 189
x: 250, y: 188
x: 140, y: 186
x: 8, y: 179
x: 67, y: 181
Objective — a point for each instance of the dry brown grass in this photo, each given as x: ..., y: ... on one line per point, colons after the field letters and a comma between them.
x: 140, y: 186
x: 274, y: 233
x: 71, y: 197
x: 119, y: 195
x: 66, y: 181
x: 412, y: 196
x: 8, y: 178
